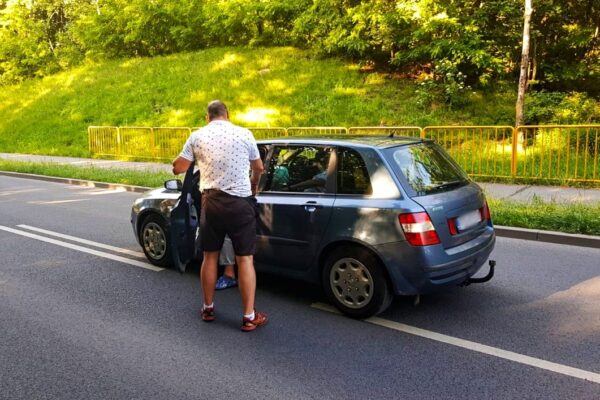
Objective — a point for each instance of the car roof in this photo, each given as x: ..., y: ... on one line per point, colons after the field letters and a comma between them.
x: 379, y: 141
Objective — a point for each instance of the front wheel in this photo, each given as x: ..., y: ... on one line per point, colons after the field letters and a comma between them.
x: 154, y: 238
x: 355, y: 282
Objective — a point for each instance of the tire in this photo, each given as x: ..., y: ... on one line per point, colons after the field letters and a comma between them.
x: 355, y: 282
x: 155, y: 240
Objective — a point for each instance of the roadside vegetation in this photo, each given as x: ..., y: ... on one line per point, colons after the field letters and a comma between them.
x: 536, y: 214
x: 65, y: 65
x: 263, y: 87
x: 553, y: 216
x: 121, y: 176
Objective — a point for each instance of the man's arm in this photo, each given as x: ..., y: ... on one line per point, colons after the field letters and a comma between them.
x: 257, y: 169
x: 180, y: 165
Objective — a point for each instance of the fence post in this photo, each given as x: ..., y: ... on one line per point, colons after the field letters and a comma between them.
x: 90, y: 140
x: 422, y: 133
x: 513, y: 161
x: 118, y: 141
x: 152, y: 142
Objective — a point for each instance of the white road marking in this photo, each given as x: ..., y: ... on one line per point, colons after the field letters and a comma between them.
x: 83, y: 249
x: 84, y: 241
x: 55, y: 201
x: 107, y: 191
x: 19, y: 191
x: 478, y: 347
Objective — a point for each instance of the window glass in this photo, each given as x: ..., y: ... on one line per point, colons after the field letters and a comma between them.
x: 428, y: 168
x: 300, y: 169
x: 352, y: 174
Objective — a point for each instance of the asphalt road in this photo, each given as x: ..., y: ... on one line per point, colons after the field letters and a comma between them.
x: 75, y: 325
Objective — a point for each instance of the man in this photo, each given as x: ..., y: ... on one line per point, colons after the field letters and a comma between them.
x: 224, y: 153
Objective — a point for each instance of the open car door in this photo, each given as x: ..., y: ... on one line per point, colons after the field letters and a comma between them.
x: 184, y: 222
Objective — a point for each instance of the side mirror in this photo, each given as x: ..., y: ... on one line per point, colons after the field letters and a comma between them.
x: 173, y: 184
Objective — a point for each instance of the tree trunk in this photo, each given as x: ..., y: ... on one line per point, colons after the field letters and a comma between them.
x: 524, y: 66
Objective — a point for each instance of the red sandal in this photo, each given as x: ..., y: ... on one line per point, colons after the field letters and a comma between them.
x: 208, y: 314
x: 249, y: 325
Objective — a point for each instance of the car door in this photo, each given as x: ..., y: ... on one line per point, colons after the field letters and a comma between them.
x: 184, y: 223
x: 295, y: 205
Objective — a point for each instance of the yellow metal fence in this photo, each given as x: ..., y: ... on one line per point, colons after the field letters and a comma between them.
x: 548, y: 152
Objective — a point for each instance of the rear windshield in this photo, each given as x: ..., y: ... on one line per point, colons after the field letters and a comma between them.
x: 427, y: 168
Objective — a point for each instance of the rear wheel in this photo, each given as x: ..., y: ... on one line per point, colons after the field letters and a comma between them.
x: 355, y: 282
x: 154, y: 238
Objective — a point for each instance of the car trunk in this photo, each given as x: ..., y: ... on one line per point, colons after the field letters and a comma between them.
x: 461, y: 207
x: 435, y: 181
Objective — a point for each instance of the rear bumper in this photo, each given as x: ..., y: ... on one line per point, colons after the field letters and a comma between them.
x: 416, y: 270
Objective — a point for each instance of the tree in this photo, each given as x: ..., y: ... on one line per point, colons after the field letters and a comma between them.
x: 524, y: 64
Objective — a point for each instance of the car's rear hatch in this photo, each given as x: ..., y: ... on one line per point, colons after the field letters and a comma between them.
x: 455, y: 205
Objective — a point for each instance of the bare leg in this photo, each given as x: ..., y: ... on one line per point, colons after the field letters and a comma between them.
x: 229, y: 271
x: 208, y: 275
x: 247, y: 282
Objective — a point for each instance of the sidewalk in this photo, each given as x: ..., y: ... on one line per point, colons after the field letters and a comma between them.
x: 519, y: 193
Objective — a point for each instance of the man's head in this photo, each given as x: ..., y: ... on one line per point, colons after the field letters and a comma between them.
x: 217, y: 110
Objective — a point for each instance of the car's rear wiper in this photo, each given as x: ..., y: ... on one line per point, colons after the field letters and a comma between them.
x: 447, y: 185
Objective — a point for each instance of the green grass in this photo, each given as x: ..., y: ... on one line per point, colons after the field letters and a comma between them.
x: 263, y: 87
x: 537, y: 214
x: 562, y: 217
x: 122, y: 176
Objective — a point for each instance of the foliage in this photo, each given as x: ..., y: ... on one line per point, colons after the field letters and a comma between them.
x: 561, y: 108
x: 447, y: 85
x: 481, y: 39
x: 263, y: 87
x: 537, y: 214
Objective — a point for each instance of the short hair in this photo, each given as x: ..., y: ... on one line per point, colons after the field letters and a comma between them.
x: 216, y: 108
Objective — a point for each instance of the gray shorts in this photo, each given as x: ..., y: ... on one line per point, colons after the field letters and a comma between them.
x: 227, y: 256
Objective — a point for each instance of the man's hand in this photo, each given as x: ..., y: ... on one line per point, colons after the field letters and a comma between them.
x: 180, y: 165
x: 257, y: 169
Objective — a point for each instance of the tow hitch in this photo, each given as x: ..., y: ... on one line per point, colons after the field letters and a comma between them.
x: 490, y: 275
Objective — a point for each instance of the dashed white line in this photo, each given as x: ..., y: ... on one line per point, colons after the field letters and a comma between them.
x: 83, y: 249
x: 84, y: 241
x: 478, y: 347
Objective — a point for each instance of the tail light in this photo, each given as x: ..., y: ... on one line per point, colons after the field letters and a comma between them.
x: 485, y: 212
x: 452, y: 226
x: 418, y: 229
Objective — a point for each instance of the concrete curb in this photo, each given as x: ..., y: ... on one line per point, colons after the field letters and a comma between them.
x: 548, y: 236
x: 502, y: 231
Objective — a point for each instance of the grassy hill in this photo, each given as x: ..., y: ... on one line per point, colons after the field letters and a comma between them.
x: 262, y: 87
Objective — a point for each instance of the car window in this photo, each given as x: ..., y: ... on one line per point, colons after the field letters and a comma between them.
x: 298, y: 169
x: 428, y: 168
x: 352, y: 174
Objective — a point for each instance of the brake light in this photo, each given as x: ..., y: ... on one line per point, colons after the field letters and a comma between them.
x: 418, y: 229
x: 452, y: 226
x: 485, y: 212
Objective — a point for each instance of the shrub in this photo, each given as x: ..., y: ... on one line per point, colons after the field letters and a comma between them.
x: 447, y: 85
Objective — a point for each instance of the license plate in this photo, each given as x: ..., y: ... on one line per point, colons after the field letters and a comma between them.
x: 468, y: 220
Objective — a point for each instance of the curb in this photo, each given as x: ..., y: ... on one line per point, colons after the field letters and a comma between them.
x: 548, y: 236
x: 501, y: 231
x: 78, y: 182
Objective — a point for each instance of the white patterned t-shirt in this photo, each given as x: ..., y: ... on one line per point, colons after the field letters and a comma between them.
x: 222, y: 152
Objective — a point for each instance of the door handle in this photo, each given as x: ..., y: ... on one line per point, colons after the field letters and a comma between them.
x: 311, y: 206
